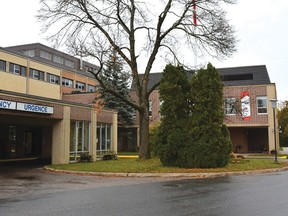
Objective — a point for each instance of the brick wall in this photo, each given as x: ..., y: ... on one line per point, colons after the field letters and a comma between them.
x: 254, y: 92
x: 229, y: 91
x: 81, y: 114
x: 83, y: 98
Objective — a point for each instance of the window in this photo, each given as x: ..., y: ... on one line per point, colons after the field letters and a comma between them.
x: 104, y: 135
x: 237, y: 77
x: 53, y: 78
x: 17, y: 69
x: 30, y: 53
x: 67, y: 82
x: 133, y: 115
x: 262, y: 105
x: 91, y: 88
x: 150, y: 108
x: 45, y: 55
x: 160, y: 105
x: 69, y: 63
x: 57, y: 59
x: 90, y: 69
x: 2, y: 65
x: 79, y: 139
x: 229, y: 106
x: 35, y: 74
x: 80, y: 86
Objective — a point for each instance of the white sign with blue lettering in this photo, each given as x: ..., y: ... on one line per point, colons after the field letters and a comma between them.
x: 4, y: 104
x: 34, y: 108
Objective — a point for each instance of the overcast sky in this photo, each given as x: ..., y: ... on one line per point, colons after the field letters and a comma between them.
x: 262, y: 28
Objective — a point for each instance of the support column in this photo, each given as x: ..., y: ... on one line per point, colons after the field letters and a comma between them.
x: 61, y: 139
x: 93, y: 135
x: 271, y: 93
x: 115, y: 132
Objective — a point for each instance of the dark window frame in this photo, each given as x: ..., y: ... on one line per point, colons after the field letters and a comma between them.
x: 52, y: 78
x: 40, y: 75
x: 80, y: 86
x: 230, y: 106
x: 262, y: 109
x: 67, y: 82
x: 3, y: 65
x: 21, y: 70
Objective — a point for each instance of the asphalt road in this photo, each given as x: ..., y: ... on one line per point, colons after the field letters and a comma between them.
x: 32, y: 191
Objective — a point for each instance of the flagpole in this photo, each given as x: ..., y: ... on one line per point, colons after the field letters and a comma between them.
x: 195, y: 28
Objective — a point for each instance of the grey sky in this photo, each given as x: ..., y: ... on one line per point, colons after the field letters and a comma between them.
x: 261, y: 28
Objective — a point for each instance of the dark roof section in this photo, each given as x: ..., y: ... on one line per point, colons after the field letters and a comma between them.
x: 246, y: 75
x: 232, y: 76
x: 38, y: 46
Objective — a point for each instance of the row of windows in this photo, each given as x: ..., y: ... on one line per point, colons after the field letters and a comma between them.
x: 55, y: 58
x: 230, y: 105
x: 40, y: 75
x: 80, y: 141
x: 49, y: 56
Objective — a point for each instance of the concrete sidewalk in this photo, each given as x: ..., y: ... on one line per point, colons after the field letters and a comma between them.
x: 166, y: 175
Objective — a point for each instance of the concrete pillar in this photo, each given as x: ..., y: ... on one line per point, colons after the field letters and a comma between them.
x: 93, y: 134
x: 271, y: 94
x: 115, y: 132
x: 61, y: 139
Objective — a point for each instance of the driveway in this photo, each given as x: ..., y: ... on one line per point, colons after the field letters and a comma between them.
x: 21, y: 180
x: 31, y: 191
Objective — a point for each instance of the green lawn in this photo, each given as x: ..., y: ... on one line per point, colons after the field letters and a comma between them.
x: 132, y: 165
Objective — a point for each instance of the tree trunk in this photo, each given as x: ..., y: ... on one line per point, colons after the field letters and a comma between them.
x: 144, y: 148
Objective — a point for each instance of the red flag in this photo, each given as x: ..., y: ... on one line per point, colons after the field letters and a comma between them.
x: 245, y: 105
x: 194, y: 12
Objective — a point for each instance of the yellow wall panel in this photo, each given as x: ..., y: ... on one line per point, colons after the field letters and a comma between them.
x: 12, y: 82
x: 44, y: 89
x: 13, y: 59
x: 45, y: 68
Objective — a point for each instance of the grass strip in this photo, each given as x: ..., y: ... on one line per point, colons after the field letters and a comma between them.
x: 132, y: 165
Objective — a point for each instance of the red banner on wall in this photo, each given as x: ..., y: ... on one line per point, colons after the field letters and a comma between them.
x: 245, y: 106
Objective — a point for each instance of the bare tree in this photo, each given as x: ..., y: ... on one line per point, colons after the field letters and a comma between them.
x: 141, y: 32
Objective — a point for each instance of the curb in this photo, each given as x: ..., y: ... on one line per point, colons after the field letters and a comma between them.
x: 165, y: 175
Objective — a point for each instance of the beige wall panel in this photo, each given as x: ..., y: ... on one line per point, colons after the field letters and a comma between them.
x: 272, y: 94
x: 44, y: 89
x: 17, y: 85
x: 45, y: 68
x: 13, y: 59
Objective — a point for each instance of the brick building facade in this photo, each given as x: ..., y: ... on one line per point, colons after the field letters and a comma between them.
x: 248, y: 135
x: 47, y: 109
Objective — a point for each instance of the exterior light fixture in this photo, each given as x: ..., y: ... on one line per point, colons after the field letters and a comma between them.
x: 274, y: 106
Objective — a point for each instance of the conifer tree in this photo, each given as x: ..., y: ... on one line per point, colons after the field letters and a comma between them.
x: 210, y: 145
x: 117, y: 79
x: 173, y: 131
